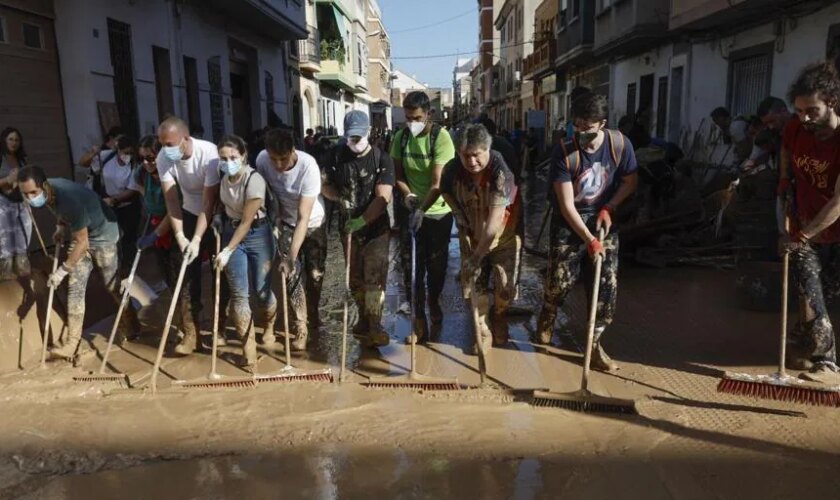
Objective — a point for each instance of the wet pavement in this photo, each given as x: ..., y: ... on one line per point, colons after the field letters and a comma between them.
x: 676, y: 330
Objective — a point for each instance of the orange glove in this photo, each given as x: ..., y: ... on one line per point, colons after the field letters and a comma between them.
x: 604, y: 219
x: 783, y: 187
x: 595, y: 247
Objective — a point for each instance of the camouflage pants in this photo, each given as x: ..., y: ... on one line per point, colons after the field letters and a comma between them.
x: 502, y: 265
x: 369, y: 275
x: 105, y: 261
x: 568, y: 259
x: 16, y: 266
x: 816, y: 273
x: 304, y: 286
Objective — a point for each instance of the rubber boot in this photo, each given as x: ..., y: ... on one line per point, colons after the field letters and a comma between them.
x: 268, y: 338
x: 67, y: 350
x: 299, y: 343
x: 501, y: 335
x: 545, y: 326
x: 377, y: 336
x: 190, y: 341
x: 249, y: 348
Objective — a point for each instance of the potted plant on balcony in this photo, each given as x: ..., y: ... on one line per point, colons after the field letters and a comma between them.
x: 333, y: 50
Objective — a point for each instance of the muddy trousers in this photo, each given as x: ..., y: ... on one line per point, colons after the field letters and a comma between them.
x: 568, y: 259
x: 129, y: 220
x: 368, y: 277
x: 304, y: 286
x: 103, y: 260
x: 502, y: 265
x: 432, y: 260
x: 249, y: 268
x: 816, y: 274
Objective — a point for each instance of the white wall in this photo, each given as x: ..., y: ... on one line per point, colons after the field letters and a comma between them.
x: 627, y: 71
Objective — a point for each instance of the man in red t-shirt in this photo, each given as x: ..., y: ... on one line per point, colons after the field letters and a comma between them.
x: 810, y: 164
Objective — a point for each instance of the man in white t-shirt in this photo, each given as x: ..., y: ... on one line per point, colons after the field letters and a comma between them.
x: 295, y: 182
x: 192, y: 165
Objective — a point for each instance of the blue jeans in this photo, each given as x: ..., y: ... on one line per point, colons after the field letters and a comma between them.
x: 249, y: 268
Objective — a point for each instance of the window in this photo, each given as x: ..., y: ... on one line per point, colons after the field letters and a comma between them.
x: 575, y: 8
x: 2, y: 30
x: 32, y: 36
x: 662, y: 106
x: 631, y: 99
x: 563, y: 12
x: 749, y: 78
x: 269, y: 93
x: 163, y: 82
x: 605, y: 4
x: 193, y: 102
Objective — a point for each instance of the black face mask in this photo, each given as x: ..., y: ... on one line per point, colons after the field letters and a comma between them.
x: 584, y: 139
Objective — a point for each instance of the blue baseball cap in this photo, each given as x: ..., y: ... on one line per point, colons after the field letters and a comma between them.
x: 356, y: 123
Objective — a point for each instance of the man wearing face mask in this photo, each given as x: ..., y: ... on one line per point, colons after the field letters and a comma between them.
x: 591, y: 175
x: 193, y: 165
x: 809, y: 185
x: 360, y: 179
x: 294, y: 180
x: 94, y: 231
x: 420, y: 152
x: 481, y: 190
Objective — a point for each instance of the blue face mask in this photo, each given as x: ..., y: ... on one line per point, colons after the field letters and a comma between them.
x: 38, y: 201
x: 231, y: 167
x: 173, y: 153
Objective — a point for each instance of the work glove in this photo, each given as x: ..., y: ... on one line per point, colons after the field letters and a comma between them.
x: 355, y: 224
x: 604, y: 219
x: 58, y: 235
x: 182, y: 241
x: 58, y: 276
x: 191, y: 252
x: 411, y: 201
x: 595, y: 248
x: 416, y: 220
x: 217, y: 223
x: 147, y: 241
x: 222, y: 259
x: 124, y: 285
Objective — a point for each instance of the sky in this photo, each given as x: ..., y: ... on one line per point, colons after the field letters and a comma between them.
x: 440, y: 34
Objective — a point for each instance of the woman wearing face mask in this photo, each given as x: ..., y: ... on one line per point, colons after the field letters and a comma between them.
x: 247, y: 244
x: 116, y: 176
x: 15, y: 222
x: 145, y: 181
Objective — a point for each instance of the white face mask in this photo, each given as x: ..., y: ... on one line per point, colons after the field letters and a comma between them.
x: 416, y: 128
x: 359, y: 147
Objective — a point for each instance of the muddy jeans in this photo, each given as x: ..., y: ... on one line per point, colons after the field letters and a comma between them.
x: 304, y: 287
x: 816, y: 273
x: 432, y: 258
x: 104, y: 259
x: 249, y: 268
x: 568, y: 258
x: 369, y: 275
x: 502, y: 264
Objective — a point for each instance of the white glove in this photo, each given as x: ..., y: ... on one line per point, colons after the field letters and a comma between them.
x: 57, y: 277
x: 191, y: 252
x: 411, y: 201
x: 123, y: 285
x: 416, y: 220
x: 182, y: 241
x: 223, y: 258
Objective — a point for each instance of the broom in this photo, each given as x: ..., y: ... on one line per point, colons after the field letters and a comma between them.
x: 780, y: 386
x: 289, y: 373
x: 346, y: 310
x: 413, y: 380
x: 48, y: 315
x: 584, y: 400
x: 213, y: 379
x: 116, y: 378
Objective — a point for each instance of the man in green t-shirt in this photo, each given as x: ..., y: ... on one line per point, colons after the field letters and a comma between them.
x: 420, y: 151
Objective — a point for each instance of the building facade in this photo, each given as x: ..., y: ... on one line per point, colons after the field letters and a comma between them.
x: 379, y: 68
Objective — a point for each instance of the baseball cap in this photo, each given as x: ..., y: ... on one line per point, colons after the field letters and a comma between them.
x: 356, y: 123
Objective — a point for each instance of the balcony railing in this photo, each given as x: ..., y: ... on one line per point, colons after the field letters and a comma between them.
x: 310, y: 49
x: 541, y: 59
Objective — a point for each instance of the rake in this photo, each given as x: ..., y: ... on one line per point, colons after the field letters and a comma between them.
x: 413, y: 380
x: 48, y: 315
x: 584, y: 400
x: 289, y: 373
x: 213, y: 380
x: 780, y: 386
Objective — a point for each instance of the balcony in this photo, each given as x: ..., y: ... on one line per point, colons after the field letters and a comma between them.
x: 575, y: 37
x: 541, y: 61
x: 630, y: 27
x: 309, y: 51
x: 274, y: 19
x: 705, y: 15
x: 335, y: 66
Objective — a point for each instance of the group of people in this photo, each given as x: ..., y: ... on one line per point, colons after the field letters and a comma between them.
x: 270, y: 215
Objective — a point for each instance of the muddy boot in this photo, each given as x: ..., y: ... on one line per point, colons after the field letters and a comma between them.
x: 501, y: 336
x: 823, y: 372
x: 601, y: 361
x: 361, y: 328
x: 299, y: 343
x: 67, y: 350
x: 249, y: 349
x: 419, y: 330
x: 188, y: 343
x: 377, y: 337
x: 545, y: 326
x: 268, y: 339
x: 798, y: 358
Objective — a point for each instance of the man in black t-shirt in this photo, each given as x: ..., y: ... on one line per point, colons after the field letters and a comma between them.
x: 360, y: 179
x: 591, y: 174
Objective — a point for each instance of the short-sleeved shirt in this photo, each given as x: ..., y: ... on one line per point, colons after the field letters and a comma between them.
x: 355, y: 177
x: 418, y: 163
x: 815, y: 165
x: 153, y: 201
x: 301, y: 181
x: 597, y: 176
x: 251, y: 186
x: 79, y: 207
x: 474, y: 196
x: 115, y: 177
x: 193, y: 174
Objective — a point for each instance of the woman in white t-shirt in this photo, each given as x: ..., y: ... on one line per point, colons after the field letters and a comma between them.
x: 116, y: 178
x: 248, y: 244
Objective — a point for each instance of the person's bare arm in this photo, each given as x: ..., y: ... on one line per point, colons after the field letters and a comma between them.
x: 122, y: 197
x: 382, y: 194
x: 164, y: 227
x: 825, y: 217
x: 173, y: 206
x: 302, y: 226
x: 8, y: 182
x: 566, y: 199
x: 628, y: 186
x: 402, y: 181
x: 434, y: 189
x: 81, y: 244
x: 87, y: 158
x: 210, y: 198
x: 329, y: 192
x: 495, y: 219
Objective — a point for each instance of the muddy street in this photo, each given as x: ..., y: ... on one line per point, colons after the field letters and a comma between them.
x: 675, y: 331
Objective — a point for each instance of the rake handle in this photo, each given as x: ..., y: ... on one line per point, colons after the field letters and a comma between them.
x: 285, y: 296
x: 346, y: 309
x: 165, y: 335
x: 784, y: 317
x: 593, y: 313
x: 48, y: 315
x: 413, y: 371
x: 216, y: 307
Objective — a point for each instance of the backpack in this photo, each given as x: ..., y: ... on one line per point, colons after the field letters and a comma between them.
x: 572, y: 153
x: 406, y: 135
x: 95, y: 178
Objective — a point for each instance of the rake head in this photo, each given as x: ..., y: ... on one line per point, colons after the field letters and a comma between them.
x: 584, y: 402
x: 220, y: 383
x: 779, y: 387
x: 120, y: 379
x: 414, y: 382
x: 295, y: 376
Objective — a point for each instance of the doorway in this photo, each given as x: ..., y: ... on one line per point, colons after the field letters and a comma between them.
x: 240, y: 98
